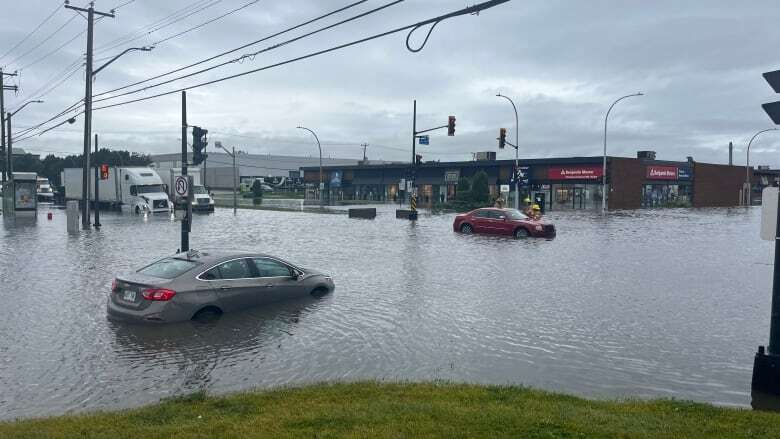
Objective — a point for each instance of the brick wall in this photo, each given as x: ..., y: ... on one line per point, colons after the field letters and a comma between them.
x: 625, y: 176
x: 717, y: 185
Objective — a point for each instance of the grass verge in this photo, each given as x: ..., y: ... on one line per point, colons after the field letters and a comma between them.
x: 369, y: 409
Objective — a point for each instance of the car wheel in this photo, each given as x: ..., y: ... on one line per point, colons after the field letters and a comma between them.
x: 521, y: 233
x: 467, y: 229
x: 207, y: 314
x: 319, y: 292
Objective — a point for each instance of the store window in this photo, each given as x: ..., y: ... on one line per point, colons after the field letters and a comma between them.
x: 666, y: 195
x: 575, y: 196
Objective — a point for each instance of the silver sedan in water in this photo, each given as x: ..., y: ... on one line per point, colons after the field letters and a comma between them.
x: 195, y: 283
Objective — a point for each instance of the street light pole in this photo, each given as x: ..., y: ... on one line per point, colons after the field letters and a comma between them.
x: 10, y: 165
x: 604, y: 166
x: 517, y: 151
x: 322, y: 183
x: 235, y: 170
x: 747, y: 166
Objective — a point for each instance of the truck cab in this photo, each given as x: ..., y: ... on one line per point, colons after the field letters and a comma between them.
x: 202, y: 200
x: 143, y: 190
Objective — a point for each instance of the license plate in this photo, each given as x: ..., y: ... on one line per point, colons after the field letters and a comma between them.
x: 128, y: 296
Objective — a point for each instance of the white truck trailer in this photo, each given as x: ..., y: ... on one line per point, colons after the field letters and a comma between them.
x: 135, y: 189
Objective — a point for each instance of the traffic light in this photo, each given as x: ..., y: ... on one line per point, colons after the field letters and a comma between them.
x: 418, y: 159
x: 104, y: 172
x: 451, y: 126
x: 199, y: 143
x: 501, y: 138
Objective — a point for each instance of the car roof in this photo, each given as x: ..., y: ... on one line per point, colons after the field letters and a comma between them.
x: 209, y: 256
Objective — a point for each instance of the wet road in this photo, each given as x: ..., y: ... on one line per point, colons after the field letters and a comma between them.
x: 665, y: 303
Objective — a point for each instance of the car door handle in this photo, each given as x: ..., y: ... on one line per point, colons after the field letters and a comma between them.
x: 223, y: 288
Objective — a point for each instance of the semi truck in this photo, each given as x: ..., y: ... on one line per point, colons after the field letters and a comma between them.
x: 133, y: 189
x: 202, y: 201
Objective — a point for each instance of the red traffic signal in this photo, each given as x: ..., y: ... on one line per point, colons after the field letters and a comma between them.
x: 501, y: 138
x: 451, y: 126
x: 104, y: 172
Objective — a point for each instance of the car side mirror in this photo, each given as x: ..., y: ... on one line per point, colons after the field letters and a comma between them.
x: 297, y: 275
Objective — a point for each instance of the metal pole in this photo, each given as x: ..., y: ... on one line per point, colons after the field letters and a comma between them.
x: 414, y: 153
x: 517, y: 151
x: 774, y: 322
x: 604, y: 166
x: 97, y: 187
x: 10, y: 147
x: 322, y: 182
x: 235, y: 178
x: 747, y: 166
x: 185, y: 229
x: 87, y: 121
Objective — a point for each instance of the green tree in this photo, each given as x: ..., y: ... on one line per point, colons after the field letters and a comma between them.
x: 257, y: 189
x: 480, y: 190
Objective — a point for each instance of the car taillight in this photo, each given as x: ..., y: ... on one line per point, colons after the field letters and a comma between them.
x: 160, y: 294
x: 113, y: 286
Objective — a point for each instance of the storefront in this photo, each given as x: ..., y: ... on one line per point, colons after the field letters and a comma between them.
x: 574, y: 187
x: 667, y: 186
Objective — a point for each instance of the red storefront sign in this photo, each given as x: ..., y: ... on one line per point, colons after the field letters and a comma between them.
x: 593, y: 172
x: 661, y: 173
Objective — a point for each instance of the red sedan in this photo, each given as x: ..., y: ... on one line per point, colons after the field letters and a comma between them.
x: 502, y: 222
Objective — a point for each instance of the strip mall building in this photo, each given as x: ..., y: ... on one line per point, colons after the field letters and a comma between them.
x: 560, y: 183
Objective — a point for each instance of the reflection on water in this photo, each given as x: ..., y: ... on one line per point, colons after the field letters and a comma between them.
x: 668, y: 303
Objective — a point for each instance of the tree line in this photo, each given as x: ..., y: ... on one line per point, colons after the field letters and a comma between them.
x: 51, y: 166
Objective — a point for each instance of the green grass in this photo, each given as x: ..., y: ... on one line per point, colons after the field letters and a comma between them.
x: 369, y: 409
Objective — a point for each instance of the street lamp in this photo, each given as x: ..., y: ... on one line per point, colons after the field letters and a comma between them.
x: 747, y: 165
x: 88, y: 123
x: 517, y: 151
x: 322, y: 184
x: 9, y: 146
x: 604, y: 166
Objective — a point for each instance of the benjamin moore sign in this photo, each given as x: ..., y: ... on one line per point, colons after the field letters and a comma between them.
x: 591, y: 172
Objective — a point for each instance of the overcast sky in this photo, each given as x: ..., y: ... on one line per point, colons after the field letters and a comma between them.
x: 699, y: 64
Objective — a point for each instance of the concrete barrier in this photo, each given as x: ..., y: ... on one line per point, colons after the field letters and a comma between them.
x: 406, y: 214
x: 367, y: 213
x: 72, y: 214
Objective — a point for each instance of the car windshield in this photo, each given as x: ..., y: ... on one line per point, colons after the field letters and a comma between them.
x: 516, y: 214
x: 168, y: 268
x: 200, y: 190
x: 149, y: 189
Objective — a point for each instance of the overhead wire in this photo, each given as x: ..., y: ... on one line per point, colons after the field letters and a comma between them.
x: 252, y: 55
x: 32, y: 32
x: 290, y: 29
x: 22, y: 56
x: 163, y: 26
x: 412, y: 27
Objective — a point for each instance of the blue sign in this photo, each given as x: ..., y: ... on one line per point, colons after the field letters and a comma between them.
x: 684, y: 173
x: 523, y: 174
x: 423, y: 140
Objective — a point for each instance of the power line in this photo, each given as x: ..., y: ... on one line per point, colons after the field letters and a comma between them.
x: 57, y: 76
x: 205, y: 23
x: 45, y: 20
x: 143, y: 29
x: 290, y: 29
x: 252, y: 55
x: 22, y: 56
x: 105, y: 49
x: 53, y: 51
x: 117, y: 7
x: 411, y: 27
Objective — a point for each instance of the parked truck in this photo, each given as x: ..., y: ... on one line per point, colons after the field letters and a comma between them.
x: 202, y: 200
x: 136, y: 189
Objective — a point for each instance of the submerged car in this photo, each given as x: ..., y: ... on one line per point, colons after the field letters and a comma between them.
x: 188, y: 285
x: 502, y: 222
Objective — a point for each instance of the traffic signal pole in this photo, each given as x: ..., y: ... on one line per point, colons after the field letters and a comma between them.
x: 415, y: 135
x: 185, y: 222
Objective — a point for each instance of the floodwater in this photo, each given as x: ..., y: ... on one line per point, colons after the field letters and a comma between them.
x: 664, y: 303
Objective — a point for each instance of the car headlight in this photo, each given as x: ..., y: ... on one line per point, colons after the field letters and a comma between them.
x: 539, y: 228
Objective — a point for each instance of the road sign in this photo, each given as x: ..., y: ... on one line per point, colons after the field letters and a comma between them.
x: 773, y: 108
x: 504, y: 188
x: 424, y: 140
x: 181, y: 186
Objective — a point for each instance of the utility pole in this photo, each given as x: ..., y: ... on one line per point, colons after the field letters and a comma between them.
x: 97, y: 187
x: 364, y: 145
x: 185, y: 222
x: 91, y: 12
x: 412, y: 195
x: 7, y: 154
